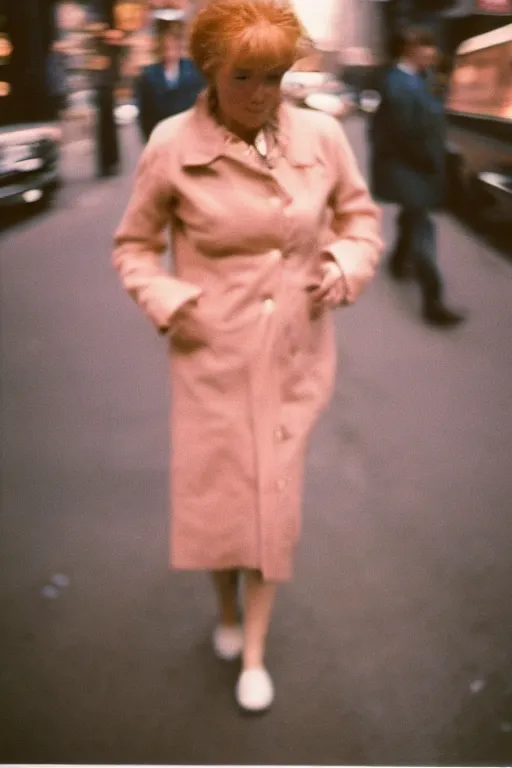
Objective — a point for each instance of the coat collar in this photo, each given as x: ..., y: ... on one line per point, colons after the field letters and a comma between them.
x: 206, y: 139
x: 181, y: 71
x: 409, y: 69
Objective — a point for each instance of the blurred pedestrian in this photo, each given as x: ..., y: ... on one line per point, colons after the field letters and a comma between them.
x: 407, y: 139
x: 272, y: 227
x: 105, y: 67
x: 57, y: 82
x: 171, y: 85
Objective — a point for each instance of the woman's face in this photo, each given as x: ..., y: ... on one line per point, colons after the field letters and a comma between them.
x: 248, y: 97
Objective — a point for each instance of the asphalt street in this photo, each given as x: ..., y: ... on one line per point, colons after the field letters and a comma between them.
x: 392, y: 645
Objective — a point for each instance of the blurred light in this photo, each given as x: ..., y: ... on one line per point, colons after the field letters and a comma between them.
x: 369, y: 101
x: 5, y: 48
x: 33, y: 196
x: 126, y: 114
x: 495, y: 180
x: 326, y: 102
x: 25, y: 138
x: 169, y: 14
x: 5, y: 89
x: 129, y: 16
x: 15, y: 153
x: 30, y: 165
x: 306, y: 79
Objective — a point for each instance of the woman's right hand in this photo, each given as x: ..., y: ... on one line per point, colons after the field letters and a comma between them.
x: 188, y: 329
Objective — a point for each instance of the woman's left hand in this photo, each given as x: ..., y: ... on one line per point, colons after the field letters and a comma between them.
x: 332, y: 290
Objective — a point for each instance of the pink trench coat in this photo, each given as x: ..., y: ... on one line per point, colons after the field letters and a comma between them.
x: 248, y: 240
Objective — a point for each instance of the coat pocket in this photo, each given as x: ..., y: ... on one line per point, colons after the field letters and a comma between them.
x: 190, y: 329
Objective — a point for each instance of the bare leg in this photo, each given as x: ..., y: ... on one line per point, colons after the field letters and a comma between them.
x: 259, y: 600
x: 226, y: 586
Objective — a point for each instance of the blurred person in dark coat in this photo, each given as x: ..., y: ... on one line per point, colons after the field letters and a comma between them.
x: 104, y: 77
x: 407, y: 138
x: 171, y: 85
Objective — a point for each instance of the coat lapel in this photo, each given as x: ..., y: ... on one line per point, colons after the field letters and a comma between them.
x: 160, y: 81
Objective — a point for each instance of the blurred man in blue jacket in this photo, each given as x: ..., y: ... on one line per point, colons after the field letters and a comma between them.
x: 407, y: 139
x: 169, y: 86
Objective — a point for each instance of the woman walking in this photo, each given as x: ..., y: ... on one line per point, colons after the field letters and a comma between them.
x: 271, y: 228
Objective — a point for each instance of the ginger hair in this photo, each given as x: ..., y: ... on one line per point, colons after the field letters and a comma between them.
x: 250, y: 34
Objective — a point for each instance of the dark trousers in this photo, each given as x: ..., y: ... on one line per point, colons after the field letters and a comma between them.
x: 416, y: 248
x: 107, y: 152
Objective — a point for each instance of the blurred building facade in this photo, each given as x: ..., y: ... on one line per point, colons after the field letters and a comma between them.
x: 351, y: 28
x: 451, y: 20
x: 30, y: 82
x: 469, y: 18
x: 362, y: 31
x: 52, y: 45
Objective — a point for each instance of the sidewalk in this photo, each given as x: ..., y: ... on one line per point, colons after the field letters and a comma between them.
x: 78, y: 158
x: 77, y: 124
x: 77, y: 146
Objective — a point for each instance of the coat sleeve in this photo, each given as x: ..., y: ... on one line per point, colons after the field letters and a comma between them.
x: 140, y: 239
x: 356, y: 219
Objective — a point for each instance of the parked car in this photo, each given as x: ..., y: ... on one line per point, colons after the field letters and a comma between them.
x: 479, y: 113
x: 29, y: 163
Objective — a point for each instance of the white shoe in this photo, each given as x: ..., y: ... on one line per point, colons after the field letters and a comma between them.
x: 228, y: 642
x: 255, y: 690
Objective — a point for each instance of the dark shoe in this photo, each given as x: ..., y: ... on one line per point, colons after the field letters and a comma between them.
x: 399, y: 271
x: 109, y: 170
x: 438, y: 314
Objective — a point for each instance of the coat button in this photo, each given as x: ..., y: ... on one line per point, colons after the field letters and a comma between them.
x: 279, y: 433
x: 281, y: 484
x: 268, y: 306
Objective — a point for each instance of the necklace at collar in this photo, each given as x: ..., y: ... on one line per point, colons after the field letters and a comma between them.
x: 266, y: 140
x: 261, y: 144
